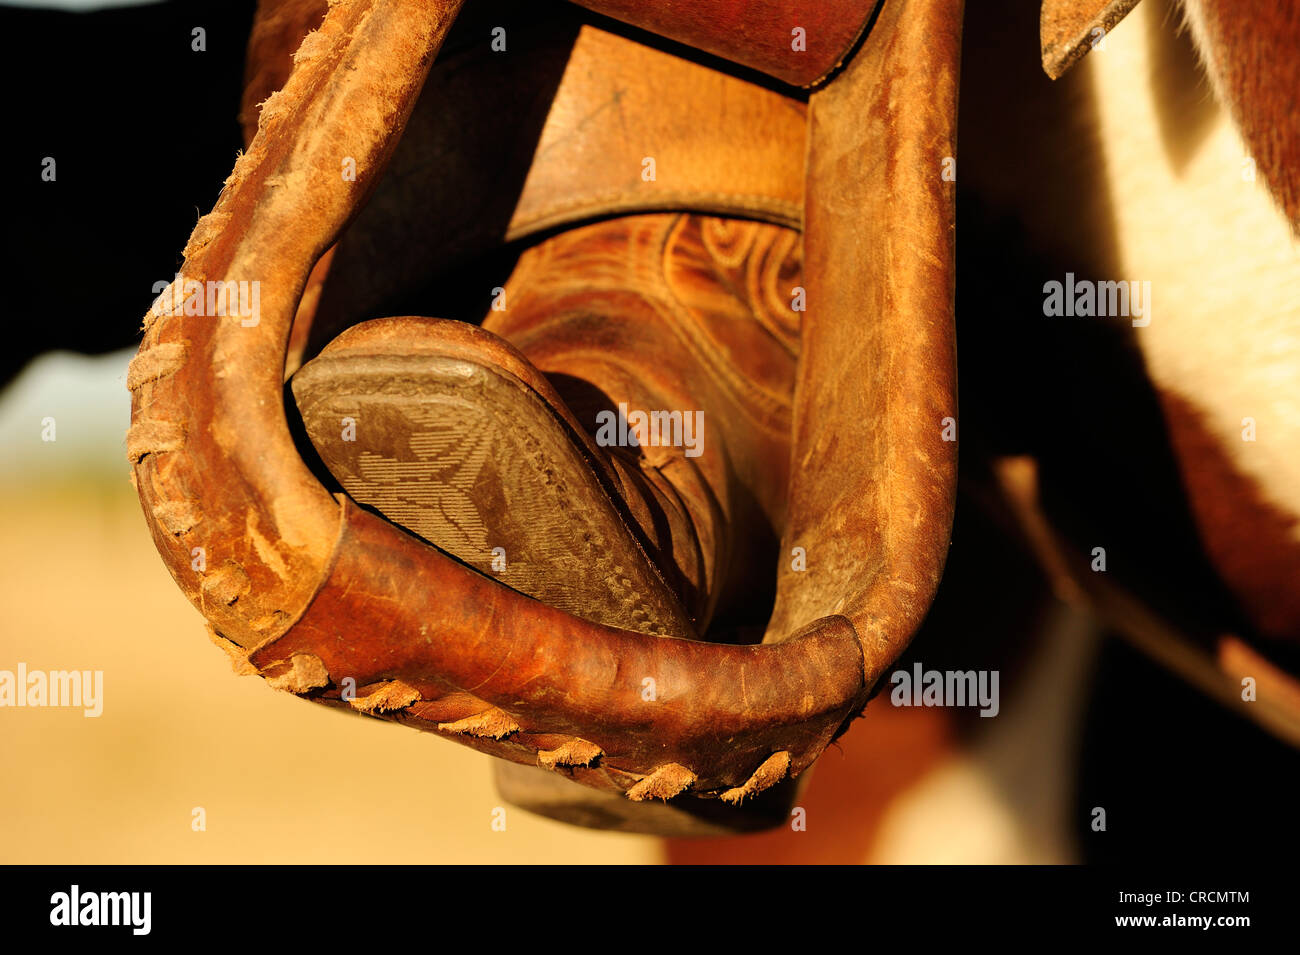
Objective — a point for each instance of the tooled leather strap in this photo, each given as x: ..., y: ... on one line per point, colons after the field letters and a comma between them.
x: 315, y: 592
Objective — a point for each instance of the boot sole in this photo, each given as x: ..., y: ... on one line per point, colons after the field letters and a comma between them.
x: 448, y: 432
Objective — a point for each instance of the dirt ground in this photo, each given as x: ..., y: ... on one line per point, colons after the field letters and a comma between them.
x: 279, y: 780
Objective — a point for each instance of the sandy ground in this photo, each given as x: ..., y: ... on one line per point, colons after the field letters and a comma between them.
x: 280, y: 780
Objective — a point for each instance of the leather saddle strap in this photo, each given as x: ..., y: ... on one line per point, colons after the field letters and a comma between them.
x: 873, y: 479
x: 574, y: 124
x: 798, y: 41
x: 720, y: 144
x: 629, y: 129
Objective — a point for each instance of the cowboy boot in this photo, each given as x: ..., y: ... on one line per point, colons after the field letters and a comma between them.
x: 528, y: 465
x: 655, y: 361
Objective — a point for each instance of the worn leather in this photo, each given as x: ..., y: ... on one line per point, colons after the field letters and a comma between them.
x: 315, y: 593
x: 215, y: 465
x: 572, y: 152
x: 872, y: 475
x: 575, y: 110
x: 1068, y: 29
x: 760, y: 33
x: 453, y: 435
x: 686, y: 313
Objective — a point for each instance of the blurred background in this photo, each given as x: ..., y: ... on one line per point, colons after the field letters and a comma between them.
x: 144, y: 131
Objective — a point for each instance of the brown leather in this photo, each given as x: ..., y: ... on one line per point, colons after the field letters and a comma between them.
x: 579, y: 110
x: 652, y: 312
x: 872, y: 479
x: 712, y: 332
x: 687, y: 314
x: 278, y: 29
x: 719, y: 713
x: 1068, y: 29
x: 283, y: 573
x: 450, y: 433
x: 588, y: 162
x: 584, y: 159
x: 215, y: 465
x: 678, y: 312
x: 313, y: 592
x: 549, y: 794
x: 758, y: 33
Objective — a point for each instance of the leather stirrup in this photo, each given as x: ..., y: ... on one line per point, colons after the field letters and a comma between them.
x: 311, y: 590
